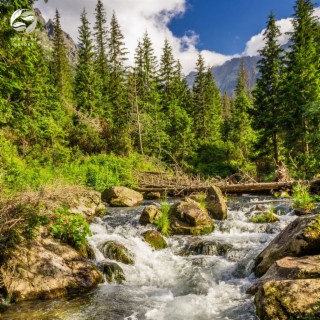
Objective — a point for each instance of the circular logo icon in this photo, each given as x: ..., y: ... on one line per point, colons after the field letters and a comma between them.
x: 23, y: 20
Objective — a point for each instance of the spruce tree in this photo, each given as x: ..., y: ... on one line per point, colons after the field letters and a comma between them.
x: 85, y: 88
x: 166, y: 73
x: 60, y: 67
x: 267, y: 103
x: 241, y: 134
x: 302, y: 87
x: 207, y: 105
x: 101, y: 63
x: 120, y: 137
x: 153, y: 121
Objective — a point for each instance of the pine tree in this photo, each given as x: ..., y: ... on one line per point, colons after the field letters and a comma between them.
x: 101, y: 63
x: 207, y: 105
x: 267, y: 104
x: 302, y: 85
x: 241, y: 134
x: 166, y: 73
x: 120, y: 139
x: 85, y: 87
x: 226, y: 117
x: 60, y: 67
x: 148, y: 97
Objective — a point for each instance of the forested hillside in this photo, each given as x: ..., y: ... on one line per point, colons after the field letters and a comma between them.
x: 94, y: 122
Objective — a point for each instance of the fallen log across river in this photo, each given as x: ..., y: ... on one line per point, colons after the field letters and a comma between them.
x: 260, y: 187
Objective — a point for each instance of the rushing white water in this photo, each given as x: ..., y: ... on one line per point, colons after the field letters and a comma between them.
x: 201, y: 278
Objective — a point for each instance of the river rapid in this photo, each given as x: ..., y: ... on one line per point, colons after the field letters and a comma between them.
x: 202, y: 278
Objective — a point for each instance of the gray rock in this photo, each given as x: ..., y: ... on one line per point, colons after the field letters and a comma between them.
x: 150, y: 214
x: 216, y: 205
x: 301, y: 237
x: 121, y: 197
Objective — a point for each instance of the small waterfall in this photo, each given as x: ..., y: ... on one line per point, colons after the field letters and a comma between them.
x: 203, y: 277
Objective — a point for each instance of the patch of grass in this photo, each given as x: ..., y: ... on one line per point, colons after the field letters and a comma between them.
x: 302, y: 198
x: 201, y: 199
x: 268, y: 217
x: 163, y: 223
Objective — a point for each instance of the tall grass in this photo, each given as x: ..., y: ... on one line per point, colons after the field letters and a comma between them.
x: 302, y: 198
x: 163, y: 224
x: 97, y: 172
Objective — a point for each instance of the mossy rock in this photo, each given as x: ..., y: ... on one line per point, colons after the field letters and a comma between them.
x: 155, y: 239
x: 188, y: 218
x: 112, y: 271
x: 150, y: 214
x: 116, y: 251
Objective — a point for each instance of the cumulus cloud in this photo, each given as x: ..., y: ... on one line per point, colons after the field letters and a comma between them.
x: 256, y: 43
x: 135, y: 17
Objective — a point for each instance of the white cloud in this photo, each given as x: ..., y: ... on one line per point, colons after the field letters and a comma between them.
x: 135, y: 17
x: 256, y: 43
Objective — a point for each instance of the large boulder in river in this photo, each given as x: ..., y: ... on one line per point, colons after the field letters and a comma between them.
x: 301, y: 237
x: 187, y: 218
x: 155, y: 239
x: 216, y: 205
x: 45, y: 268
x: 289, y: 299
x: 116, y: 251
x: 290, y: 268
x: 121, y: 197
x: 150, y: 214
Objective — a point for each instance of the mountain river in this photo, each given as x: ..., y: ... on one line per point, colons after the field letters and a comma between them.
x: 195, y: 278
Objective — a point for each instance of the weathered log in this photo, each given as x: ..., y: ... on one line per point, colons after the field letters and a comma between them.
x: 263, y: 187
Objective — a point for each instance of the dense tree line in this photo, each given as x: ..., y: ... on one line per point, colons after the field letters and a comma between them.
x: 54, y: 112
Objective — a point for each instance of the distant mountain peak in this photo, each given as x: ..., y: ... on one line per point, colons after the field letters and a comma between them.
x: 226, y: 74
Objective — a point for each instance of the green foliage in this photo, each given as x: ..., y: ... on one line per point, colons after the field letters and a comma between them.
x: 268, y: 217
x: 70, y: 228
x: 267, y: 107
x: 163, y: 224
x: 302, y: 198
x: 201, y: 199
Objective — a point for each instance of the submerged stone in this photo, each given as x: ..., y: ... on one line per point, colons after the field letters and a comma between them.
x: 155, y: 239
x: 116, y: 251
x: 112, y: 271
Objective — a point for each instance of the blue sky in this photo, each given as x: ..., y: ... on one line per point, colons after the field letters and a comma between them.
x: 219, y: 29
x: 225, y: 26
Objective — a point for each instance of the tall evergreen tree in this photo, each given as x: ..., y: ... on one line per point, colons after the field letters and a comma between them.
x: 101, y: 42
x: 85, y: 87
x: 267, y: 104
x: 120, y: 138
x: 166, y: 73
x: 60, y: 65
x: 207, y: 105
x: 241, y: 134
x: 148, y: 96
x: 302, y: 83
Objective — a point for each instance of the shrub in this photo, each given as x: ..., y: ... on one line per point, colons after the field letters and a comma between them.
x: 302, y: 198
x: 70, y: 228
